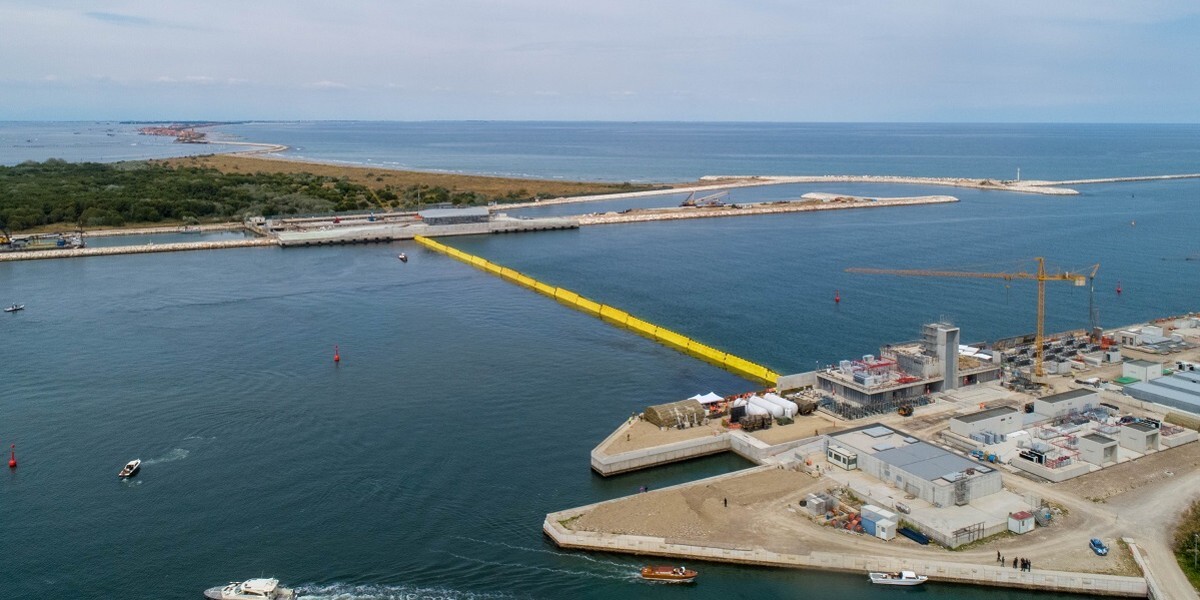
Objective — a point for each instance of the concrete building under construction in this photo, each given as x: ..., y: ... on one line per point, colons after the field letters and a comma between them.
x: 935, y: 363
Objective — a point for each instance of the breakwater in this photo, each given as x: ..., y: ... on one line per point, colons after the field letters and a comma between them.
x: 556, y: 527
x: 616, y: 316
x: 139, y: 249
x: 671, y: 214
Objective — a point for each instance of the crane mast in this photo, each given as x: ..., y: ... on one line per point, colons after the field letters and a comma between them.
x: 1040, y: 275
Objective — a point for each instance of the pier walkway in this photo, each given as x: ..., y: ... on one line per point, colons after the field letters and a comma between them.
x: 734, y: 364
x: 138, y: 249
x: 1094, y: 584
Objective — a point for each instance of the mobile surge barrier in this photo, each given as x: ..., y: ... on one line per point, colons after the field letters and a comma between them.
x: 736, y: 365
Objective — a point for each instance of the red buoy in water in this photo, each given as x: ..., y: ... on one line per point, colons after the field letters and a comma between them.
x: 1118, y: 288
x: 336, y: 357
x: 837, y: 296
x: 12, y: 456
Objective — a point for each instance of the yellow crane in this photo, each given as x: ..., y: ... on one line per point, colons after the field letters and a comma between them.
x: 1041, y: 276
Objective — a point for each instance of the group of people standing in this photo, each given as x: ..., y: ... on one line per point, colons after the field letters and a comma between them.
x: 1024, y: 563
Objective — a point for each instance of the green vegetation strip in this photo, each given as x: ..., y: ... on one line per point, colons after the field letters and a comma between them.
x: 1187, y: 544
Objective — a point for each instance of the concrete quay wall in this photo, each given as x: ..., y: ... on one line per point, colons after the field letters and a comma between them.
x: 140, y: 249
x: 768, y: 209
x: 633, y: 460
x: 937, y: 570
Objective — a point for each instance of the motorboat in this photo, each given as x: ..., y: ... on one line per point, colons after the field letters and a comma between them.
x: 131, y: 468
x: 403, y: 257
x: 900, y: 578
x: 667, y: 574
x: 251, y: 589
x: 15, y: 308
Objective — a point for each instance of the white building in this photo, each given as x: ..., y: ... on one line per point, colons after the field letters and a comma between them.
x: 1002, y: 419
x: 1139, y: 437
x: 1059, y: 405
x: 935, y: 475
x: 1141, y: 370
x: 1021, y: 522
x: 1100, y: 450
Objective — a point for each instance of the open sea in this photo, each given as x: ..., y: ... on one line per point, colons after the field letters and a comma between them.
x: 464, y: 408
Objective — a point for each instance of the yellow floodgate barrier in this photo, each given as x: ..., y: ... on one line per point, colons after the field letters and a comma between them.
x: 682, y: 343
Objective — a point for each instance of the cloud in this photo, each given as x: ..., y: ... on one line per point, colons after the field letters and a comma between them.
x: 325, y: 84
x: 120, y: 19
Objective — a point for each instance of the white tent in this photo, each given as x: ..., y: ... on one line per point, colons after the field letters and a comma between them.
x: 708, y: 398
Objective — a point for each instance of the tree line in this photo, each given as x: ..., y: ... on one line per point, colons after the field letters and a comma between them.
x: 57, y: 192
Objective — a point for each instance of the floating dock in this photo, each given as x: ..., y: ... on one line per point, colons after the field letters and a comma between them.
x: 734, y: 364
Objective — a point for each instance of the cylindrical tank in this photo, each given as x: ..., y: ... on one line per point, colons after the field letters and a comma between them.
x: 754, y: 409
x: 774, y: 409
x: 789, y: 407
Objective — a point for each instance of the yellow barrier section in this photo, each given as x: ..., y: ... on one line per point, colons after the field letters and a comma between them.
x: 682, y: 343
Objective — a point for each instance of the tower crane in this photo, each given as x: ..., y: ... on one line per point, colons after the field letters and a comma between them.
x: 1041, y: 276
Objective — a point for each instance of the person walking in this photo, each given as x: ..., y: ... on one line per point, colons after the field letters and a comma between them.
x: 1014, y: 562
x: 999, y: 558
x: 726, y: 500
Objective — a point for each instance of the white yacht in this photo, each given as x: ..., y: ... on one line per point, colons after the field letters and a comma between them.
x: 251, y: 589
x: 901, y: 578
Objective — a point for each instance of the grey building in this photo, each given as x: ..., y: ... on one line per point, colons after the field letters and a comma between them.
x: 1139, y: 437
x: 1181, y: 391
x: 1058, y: 405
x: 937, y: 476
x: 1002, y: 419
x: 1100, y: 450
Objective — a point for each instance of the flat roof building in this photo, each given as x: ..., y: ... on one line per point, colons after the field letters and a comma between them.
x: 1180, y: 391
x: 1099, y: 450
x: 1139, y: 437
x: 455, y: 216
x: 1058, y: 405
x: 937, y: 476
x: 1002, y: 419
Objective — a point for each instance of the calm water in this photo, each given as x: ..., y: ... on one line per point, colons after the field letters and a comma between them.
x: 90, y: 141
x: 685, y: 151
x: 464, y: 407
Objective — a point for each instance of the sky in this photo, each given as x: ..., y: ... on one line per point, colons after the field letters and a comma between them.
x: 617, y: 60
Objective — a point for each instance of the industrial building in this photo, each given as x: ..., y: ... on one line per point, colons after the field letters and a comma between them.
x: 909, y: 370
x: 1065, y: 403
x: 937, y: 476
x: 1140, y: 437
x: 1141, y: 370
x: 1179, y: 391
x: 1002, y: 420
x: 1097, y: 449
x: 455, y: 216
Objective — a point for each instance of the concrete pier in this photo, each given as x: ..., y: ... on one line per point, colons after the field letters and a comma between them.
x: 139, y: 249
x: 556, y: 527
x: 672, y: 214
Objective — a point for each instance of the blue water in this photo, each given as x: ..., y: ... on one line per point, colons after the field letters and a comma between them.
x: 648, y: 152
x: 464, y: 407
x: 90, y: 141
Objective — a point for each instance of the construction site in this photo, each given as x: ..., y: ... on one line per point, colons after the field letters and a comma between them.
x: 931, y: 443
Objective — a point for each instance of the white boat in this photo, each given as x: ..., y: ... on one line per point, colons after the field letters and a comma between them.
x: 251, y: 589
x: 901, y: 578
x: 15, y: 308
x: 131, y: 468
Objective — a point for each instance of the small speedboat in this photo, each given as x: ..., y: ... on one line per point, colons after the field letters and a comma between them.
x: 668, y: 574
x: 403, y: 257
x: 901, y: 578
x: 251, y: 589
x: 15, y: 308
x: 131, y: 468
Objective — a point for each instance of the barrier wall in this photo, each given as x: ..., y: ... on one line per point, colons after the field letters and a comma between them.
x: 738, y: 366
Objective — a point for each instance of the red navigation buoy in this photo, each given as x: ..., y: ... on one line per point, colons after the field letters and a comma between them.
x: 1118, y: 288
x: 837, y: 296
x: 12, y: 456
x: 337, y: 358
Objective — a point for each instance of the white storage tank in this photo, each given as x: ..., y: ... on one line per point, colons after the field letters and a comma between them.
x: 789, y: 407
x: 774, y: 409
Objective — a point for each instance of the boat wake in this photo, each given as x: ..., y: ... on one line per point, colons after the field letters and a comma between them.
x: 172, y: 456
x: 346, y: 591
x: 622, y: 567
x: 626, y: 577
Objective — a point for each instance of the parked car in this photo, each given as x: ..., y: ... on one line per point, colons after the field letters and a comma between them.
x: 1098, y: 547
